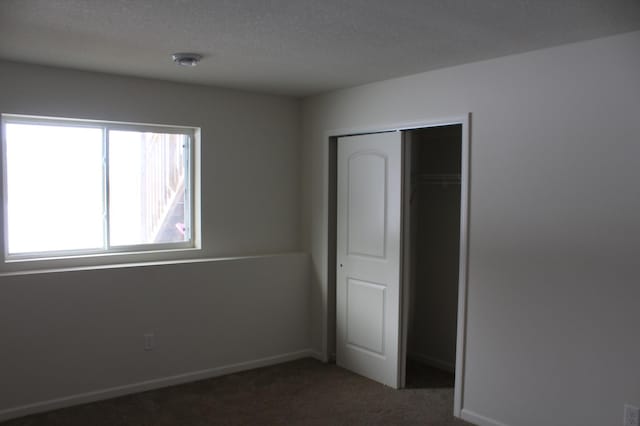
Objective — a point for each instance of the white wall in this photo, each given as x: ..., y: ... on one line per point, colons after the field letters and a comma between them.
x: 68, y: 333
x: 553, y: 314
x: 250, y: 144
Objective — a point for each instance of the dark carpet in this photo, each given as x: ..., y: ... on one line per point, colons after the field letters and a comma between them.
x: 303, y: 392
x: 422, y: 376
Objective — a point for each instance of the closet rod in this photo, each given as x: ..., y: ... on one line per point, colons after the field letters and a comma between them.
x: 432, y: 178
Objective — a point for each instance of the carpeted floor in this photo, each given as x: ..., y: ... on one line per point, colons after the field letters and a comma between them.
x: 421, y: 376
x: 303, y: 392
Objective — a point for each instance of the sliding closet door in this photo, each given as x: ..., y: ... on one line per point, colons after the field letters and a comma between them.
x: 368, y: 255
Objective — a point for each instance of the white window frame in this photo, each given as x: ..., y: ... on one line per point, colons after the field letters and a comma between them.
x: 193, y: 242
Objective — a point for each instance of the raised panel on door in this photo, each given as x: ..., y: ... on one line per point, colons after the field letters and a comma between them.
x: 368, y: 255
x: 365, y: 316
x: 366, y: 193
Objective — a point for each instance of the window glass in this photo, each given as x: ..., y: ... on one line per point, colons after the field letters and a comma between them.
x: 79, y: 187
x: 146, y: 187
x: 54, y: 188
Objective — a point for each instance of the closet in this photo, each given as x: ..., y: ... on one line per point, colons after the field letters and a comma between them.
x: 433, y: 167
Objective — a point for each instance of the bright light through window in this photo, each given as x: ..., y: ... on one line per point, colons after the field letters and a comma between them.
x: 146, y: 187
x: 54, y: 188
x: 83, y: 187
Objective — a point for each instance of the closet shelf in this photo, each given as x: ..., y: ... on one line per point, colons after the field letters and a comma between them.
x: 436, y: 178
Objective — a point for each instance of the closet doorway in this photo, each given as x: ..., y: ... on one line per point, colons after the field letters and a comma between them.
x: 404, y: 328
x: 432, y: 174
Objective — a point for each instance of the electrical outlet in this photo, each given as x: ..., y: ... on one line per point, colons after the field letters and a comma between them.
x: 149, y: 341
x: 631, y: 415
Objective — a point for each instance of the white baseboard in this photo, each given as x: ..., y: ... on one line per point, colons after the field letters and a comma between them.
x: 479, y: 420
x: 113, y: 392
x: 425, y: 359
x: 317, y: 355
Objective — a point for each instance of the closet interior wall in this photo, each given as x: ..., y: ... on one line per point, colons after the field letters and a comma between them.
x: 435, y: 244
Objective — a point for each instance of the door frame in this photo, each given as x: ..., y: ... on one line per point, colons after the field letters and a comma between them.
x: 327, y: 270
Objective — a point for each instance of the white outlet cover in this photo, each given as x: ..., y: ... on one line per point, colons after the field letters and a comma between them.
x: 148, y: 341
x: 631, y: 415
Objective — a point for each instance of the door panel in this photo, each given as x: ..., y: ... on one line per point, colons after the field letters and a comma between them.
x: 368, y: 255
x: 365, y: 316
x: 366, y: 177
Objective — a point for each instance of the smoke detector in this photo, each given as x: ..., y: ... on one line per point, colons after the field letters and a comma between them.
x: 186, y: 59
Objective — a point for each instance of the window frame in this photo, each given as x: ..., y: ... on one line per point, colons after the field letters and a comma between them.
x: 191, y: 168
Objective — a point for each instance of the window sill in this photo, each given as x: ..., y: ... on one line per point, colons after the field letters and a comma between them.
x: 19, y: 266
x: 140, y: 264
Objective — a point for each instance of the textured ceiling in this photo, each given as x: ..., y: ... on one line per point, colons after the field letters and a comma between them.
x: 295, y: 47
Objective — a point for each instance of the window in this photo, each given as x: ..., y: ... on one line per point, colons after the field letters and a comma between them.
x: 74, y: 187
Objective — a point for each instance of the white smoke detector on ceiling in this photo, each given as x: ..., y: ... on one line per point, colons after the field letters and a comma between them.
x: 186, y: 59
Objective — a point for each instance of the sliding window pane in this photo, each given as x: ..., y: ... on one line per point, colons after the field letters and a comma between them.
x: 147, y: 182
x: 54, y: 188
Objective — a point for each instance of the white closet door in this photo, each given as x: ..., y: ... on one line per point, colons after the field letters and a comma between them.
x: 368, y: 255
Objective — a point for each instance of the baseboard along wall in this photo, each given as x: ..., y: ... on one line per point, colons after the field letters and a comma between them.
x: 98, y: 395
x: 433, y: 362
x: 477, y: 419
